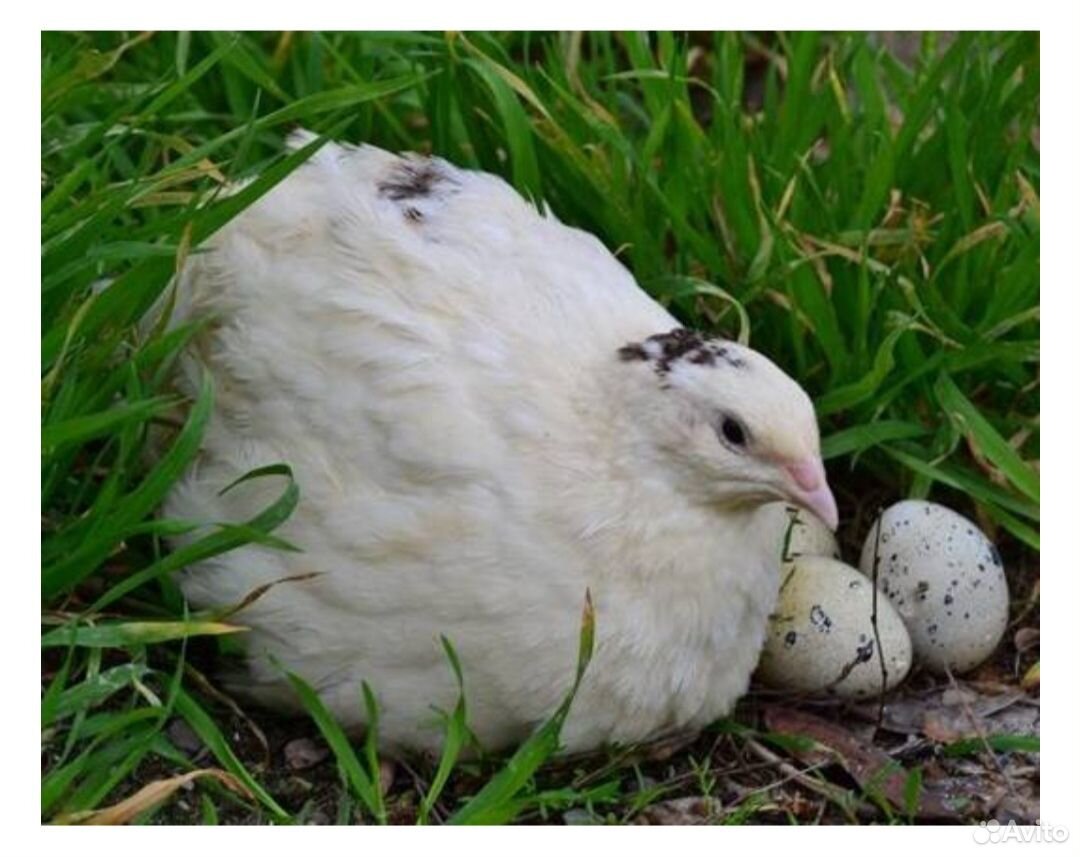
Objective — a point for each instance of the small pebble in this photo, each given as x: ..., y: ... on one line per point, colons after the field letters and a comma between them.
x: 183, y: 737
x: 303, y: 753
x: 387, y: 772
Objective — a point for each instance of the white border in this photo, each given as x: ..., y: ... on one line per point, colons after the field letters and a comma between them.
x: 1060, y: 139
x: 547, y: 15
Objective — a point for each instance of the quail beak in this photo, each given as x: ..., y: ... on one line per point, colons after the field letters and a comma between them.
x: 809, y: 488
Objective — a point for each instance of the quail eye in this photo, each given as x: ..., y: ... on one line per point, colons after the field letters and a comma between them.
x: 733, y: 432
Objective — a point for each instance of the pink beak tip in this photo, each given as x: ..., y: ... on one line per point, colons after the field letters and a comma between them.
x: 812, y: 490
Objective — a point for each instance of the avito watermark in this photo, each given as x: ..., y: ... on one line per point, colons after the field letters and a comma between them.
x: 990, y: 832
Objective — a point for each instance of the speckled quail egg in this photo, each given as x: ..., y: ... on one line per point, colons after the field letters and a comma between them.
x: 946, y: 580
x: 810, y: 536
x: 821, y: 637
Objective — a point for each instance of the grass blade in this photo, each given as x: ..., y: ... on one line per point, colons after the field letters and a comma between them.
x: 998, y: 450
x: 364, y: 784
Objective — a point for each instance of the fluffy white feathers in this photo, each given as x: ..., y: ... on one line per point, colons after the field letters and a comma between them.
x: 486, y: 416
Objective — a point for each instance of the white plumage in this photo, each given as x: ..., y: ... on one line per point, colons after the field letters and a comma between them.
x: 486, y: 416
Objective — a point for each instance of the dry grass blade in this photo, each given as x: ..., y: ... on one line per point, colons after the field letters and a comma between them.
x: 205, y: 686
x: 260, y: 591
x: 847, y: 802
x: 994, y: 230
x: 870, y: 766
x: 1030, y: 680
x: 150, y: 796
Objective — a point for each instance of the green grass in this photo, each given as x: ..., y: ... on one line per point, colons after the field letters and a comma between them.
x: 871, y: 225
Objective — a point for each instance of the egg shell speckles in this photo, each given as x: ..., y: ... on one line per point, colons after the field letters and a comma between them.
x: 946, y: 580
x: 821, y: 638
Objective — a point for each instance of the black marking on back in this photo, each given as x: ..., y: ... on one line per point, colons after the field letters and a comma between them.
x: 666, y: 349
x: 412, y: 179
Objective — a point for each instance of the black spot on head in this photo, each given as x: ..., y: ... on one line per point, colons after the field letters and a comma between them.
x: 666, y: 349
x: 789, y: 639
x: 413, y: 215
x: 948, y: 599
x: 676, y: 344
x: 995, y: 556
x: 633, y: 351
x: 722, y: 352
